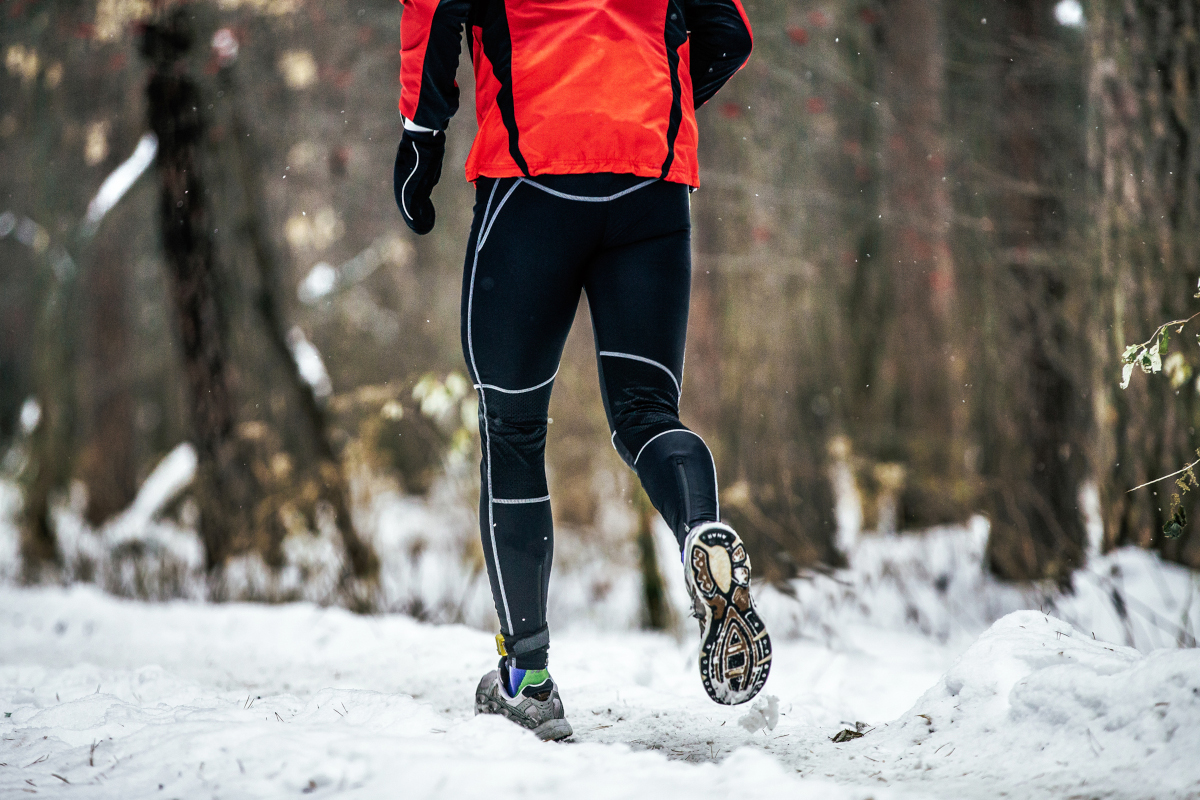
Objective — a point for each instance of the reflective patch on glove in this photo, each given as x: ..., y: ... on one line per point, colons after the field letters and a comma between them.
x: 418, y: 169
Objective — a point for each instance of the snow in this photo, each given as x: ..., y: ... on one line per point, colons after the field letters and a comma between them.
x: 263, y: 701
x: 1039, y: 706
x: 119, y: 696
x: 139, y: 551
x: 962, y: 688
x: 1069, y: 13
x: 933, y: 582
x: 119, y: 181
x: 309, y: 363
x: 319, y: 282
x: 168, y: 478
x: 10, y: 554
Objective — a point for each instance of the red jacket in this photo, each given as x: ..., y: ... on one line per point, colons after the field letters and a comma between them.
x: 574, y: 86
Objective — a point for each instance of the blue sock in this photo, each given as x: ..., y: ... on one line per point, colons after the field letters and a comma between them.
x: 515, y: 676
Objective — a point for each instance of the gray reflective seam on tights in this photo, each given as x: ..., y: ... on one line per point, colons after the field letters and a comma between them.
x: 521, y: 501
x: 518, y: 391
x: 716, y: 484
x: 404, y: 188
x: 651, y: 362
x: 584, y: 198
x: 487, y: 447
x: 664, y: 433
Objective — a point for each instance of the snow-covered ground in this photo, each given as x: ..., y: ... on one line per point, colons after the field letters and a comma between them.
x: 959, y: 692
x: 106, y: 697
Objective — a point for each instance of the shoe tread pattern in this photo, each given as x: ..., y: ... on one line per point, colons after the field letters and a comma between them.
x: 735, y: 651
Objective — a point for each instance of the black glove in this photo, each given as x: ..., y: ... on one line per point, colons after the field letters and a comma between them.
x: 418, y: 169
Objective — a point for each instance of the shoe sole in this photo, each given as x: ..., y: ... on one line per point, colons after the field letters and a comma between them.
x: 553, y: 730
x: 486, y: 702
x: 735, y: 650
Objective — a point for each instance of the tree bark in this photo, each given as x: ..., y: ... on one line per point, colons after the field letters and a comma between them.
x: 1034, y: 411
x: 226, y: 489
x: 108, y: 458
x: 52, y: 441
x: 1144, y: 156
x: 916, y: 418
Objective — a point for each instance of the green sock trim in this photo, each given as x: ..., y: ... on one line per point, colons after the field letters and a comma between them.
x: 533, y: 677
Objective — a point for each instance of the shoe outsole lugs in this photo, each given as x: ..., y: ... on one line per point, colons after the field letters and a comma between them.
x: 543, y: 717
x: 735, y: 650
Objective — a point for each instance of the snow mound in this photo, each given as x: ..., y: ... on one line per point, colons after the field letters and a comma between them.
x: 1033, y: 695
x: 935, y: 582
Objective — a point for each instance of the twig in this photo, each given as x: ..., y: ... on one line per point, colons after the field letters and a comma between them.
x: 60, y: 777
x: 1164, y: 477
x: 1160, y: 328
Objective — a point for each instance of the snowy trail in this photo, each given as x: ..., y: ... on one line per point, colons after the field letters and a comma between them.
x: 111, y: 698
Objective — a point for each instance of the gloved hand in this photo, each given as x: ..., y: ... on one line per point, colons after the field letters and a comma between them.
x: 418, y: 168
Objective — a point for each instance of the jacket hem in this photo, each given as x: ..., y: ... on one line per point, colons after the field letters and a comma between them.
x: 581, y: 167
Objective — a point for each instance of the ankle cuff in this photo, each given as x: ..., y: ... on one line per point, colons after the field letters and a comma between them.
x: 529, y: 650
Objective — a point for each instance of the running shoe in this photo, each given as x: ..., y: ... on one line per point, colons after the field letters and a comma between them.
x: 735, y: 650
x: 527, y: 697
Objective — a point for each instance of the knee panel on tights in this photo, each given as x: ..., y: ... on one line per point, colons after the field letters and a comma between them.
x: 514, y: 430
x: 641, y: 401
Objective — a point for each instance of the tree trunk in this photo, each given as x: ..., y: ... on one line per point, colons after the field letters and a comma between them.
x: 657, y: 609
x: 226, y: 489
x: 361, y: 561
x: 1144, y: 156
x: 916, y: 417
x: 108, y: 459
x: 1034, y: 401
x: 52, y: 441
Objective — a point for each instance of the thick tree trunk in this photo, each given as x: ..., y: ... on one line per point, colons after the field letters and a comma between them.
x: 226, y: 489
x: 1144, y: 156
x: 51, y: 185
x: 916, y: 417
x: 1035, y: 409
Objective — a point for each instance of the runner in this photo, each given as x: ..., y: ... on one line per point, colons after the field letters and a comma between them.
x: 582, y: 165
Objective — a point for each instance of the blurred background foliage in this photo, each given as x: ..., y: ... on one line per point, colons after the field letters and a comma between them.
x: 926, y: 232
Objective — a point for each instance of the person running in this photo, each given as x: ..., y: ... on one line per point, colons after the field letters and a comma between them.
x: 582, y: 165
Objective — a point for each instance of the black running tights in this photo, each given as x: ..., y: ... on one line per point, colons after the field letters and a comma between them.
x: 535, y: 244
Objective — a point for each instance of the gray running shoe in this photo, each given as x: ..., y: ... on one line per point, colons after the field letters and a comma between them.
x: 536, y: 706
x: 735, y: 650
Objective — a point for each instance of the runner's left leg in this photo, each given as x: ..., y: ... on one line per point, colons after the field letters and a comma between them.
x: 638, y: 289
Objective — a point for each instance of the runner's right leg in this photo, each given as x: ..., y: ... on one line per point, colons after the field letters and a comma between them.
x: 521, y: 286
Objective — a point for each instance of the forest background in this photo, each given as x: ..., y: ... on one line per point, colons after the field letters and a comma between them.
x: 925, y: 235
